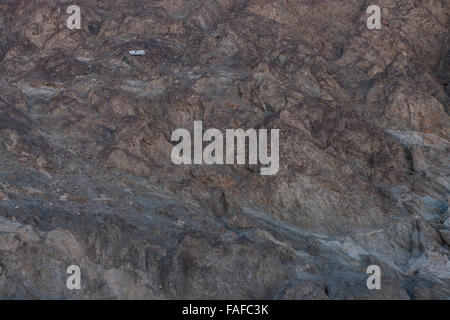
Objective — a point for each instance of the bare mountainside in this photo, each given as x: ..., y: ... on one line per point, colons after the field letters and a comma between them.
x: 86, y: 176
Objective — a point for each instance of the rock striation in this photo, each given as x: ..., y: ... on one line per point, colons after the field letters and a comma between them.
x: 86, y: 176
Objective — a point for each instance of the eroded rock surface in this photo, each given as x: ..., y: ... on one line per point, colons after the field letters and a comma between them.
x: 86, y: 176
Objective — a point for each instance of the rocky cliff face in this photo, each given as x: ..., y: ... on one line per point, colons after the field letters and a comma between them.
x: 86, y: 176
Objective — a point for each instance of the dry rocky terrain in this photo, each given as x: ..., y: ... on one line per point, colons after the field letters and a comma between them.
x: 86, y: 176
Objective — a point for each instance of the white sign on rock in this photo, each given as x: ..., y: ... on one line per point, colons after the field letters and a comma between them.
x: 138, y: 52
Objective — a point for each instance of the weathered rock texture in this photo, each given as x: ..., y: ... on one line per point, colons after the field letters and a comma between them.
x: 86, y: 176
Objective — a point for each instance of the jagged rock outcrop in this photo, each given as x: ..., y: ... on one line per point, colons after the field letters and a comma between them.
x: 86, y: 176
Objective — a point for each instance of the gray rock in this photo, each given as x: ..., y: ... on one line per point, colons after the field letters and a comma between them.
x: 85, y: 171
